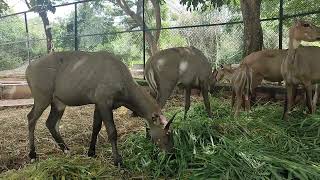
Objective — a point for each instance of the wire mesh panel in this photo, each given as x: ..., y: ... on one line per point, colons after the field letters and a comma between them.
x: 269, y: 9
x: 37, y: 38
x: 178, y: 15
x: 13, y: 50
x: 270, y: 34
x: 102, y: 17
x: 127, y: 45
x: 117, y: 27
x: 63, y: 28
x: 221, y: 44
x: 292, y: 7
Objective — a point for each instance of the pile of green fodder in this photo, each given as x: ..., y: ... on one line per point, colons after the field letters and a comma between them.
x: 257, y: 145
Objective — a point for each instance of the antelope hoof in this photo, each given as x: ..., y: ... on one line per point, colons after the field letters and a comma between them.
x: 92, y: 153
x: 33, y: 156
x: 67, y: 152
x: 118, y: 161
x: 285, y: 117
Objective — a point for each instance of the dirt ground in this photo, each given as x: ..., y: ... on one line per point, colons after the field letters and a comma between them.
x: 75, y: 127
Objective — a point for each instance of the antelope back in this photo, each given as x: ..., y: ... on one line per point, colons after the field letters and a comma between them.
x: 181, y: 65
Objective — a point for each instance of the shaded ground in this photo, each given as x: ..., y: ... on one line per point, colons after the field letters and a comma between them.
x: 75, y: 127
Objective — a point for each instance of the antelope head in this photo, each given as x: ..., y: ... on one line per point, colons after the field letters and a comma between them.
x: 213, y: 80
x: 224, y: 70
x: 305, y: 31
x: 160, y: 132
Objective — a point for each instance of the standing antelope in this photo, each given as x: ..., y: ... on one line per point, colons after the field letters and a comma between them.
x: 257, y: 66
x: 301, y: 65
x: 79, y: 78
x: 265, y: 65
x: 184, y: 66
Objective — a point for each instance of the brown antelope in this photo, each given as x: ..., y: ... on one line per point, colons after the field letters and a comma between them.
x: 184, y: 66
x: 241, y: 83
x: 301, y: 65
x: 258, y: 66
x: 265, y: 65
x: 79, y: 78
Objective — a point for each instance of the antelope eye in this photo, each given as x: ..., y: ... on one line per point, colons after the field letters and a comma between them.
x: 306, y: 25
x: 155, y: 116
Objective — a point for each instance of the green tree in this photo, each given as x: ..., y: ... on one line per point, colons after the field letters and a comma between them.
x: 3, y: 6
x: 12, y: 47
x: 42, y: 7
x: 152, y: 37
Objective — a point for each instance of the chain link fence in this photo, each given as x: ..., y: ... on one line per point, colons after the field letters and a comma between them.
x: 104, y: 25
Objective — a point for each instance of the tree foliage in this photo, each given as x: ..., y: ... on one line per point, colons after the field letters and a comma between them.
x: 221, y: 44
x: 205, y: 4
x: 3, y: 6
x: 253, y: 36
x: 41, y: 5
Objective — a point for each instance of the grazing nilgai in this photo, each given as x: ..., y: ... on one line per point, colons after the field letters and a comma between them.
x: 186, y: 67
x: 80, y: 78
x: 301, y: 65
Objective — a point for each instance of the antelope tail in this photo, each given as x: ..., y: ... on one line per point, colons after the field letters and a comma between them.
x: 248, y: 83
x: 242, y: 81
x: 152, y: 78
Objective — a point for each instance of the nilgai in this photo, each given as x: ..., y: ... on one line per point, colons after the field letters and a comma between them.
x: 241, y: 83
x: 79, y: 78
x: 264, y: 65
x: 257, y: 66
x: 301, y: 65
x: 186, y: 67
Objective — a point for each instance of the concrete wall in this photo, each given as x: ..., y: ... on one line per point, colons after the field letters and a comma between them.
x: 14, y: 90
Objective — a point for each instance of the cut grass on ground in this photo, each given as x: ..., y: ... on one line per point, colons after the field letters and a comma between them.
x: 257, y: 145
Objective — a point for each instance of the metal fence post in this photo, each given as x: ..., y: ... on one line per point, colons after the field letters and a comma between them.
x: 143, y: 38
x: 76, y: 45
x: 27, y: 33
x: 280, y: 23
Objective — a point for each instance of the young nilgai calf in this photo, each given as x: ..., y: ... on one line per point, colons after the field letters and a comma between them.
x: 224, y: 73
x: 80, y: 78
x: 183, y: 66
x: 301, y: 65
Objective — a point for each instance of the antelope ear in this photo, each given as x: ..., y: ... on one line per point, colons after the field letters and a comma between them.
x: 170, y: 121
x: 298, y: 22
x: 229, y: 66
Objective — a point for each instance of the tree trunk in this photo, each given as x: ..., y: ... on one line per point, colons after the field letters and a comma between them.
x: 47, y: 29
x: 253, y: 35
x: 151, y: 38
